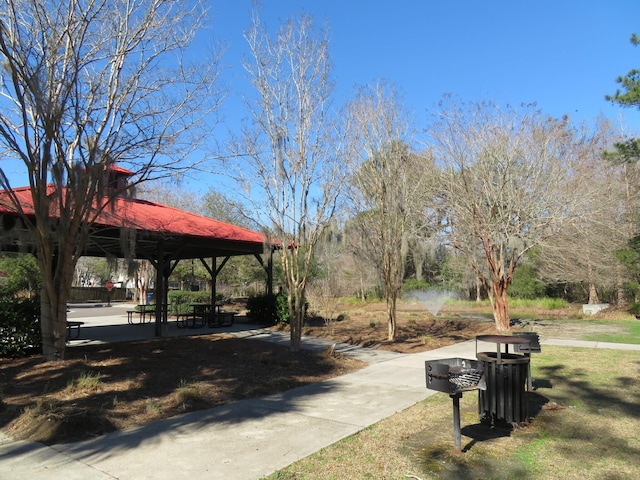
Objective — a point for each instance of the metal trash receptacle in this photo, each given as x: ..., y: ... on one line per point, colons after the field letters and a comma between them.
x: 505, y: 397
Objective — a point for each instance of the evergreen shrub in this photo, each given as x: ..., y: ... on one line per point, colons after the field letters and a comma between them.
x: 20, y: 334
x: 270, y: 309
x: 262, y: 309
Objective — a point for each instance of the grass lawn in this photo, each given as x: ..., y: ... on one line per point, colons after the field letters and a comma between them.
x: 586, y: 425
x: 630, y: 334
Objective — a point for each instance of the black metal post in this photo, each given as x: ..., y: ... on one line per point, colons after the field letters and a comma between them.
x: 457, y: 436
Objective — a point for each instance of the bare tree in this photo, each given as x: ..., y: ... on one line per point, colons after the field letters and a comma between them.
x: 325, y: 289
x: 294, y: 173
x: 359, y: 263
x: 86, y: 84
x: 509, y: 183
x: 390, y: 185
x: 583, y: 251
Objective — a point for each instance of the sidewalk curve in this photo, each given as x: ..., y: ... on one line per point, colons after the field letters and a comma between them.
x: 247, y: 439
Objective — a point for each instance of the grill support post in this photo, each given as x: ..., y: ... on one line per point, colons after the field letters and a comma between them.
x: 455, y: 376
x: 457, y: 435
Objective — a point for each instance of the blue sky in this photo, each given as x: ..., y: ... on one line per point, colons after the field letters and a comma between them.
x: 562, y: 54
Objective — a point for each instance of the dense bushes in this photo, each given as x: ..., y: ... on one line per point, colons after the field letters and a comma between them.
x: 19, y: 327
x: 263, y: 309
x: 269, y: 309
x: 526, y: 283
x: 413, y: 285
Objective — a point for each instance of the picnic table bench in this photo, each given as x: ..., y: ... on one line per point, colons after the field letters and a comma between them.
x: 73, y: 329
x: 199, y: 316
x: 222, y: 319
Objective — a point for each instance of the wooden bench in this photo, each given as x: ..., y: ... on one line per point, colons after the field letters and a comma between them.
x: 73, y: 330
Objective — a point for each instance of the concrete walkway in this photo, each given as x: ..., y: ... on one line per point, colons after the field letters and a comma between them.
x: 248, y: 439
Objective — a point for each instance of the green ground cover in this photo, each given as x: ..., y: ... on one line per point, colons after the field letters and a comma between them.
x: 630, y: 334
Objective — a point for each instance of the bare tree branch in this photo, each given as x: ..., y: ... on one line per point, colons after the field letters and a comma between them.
x: 512, y: 180
x: 86, y: 84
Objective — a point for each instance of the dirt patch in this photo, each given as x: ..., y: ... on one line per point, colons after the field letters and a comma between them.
x: 419, y: 330
x: 414, y: 334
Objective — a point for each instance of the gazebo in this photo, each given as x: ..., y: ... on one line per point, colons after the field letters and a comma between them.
x: 161, y: 234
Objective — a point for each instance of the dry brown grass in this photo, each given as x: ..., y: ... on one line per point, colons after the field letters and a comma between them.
x: 585, y: 417
x: 585, y: 424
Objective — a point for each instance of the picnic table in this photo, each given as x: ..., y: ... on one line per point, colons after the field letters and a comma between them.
x: 221, y: 318
x: 141, y: 315
x: 205, y: 314
x: 197, y: 318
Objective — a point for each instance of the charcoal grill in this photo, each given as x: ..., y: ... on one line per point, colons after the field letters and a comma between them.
x: 455, y: 376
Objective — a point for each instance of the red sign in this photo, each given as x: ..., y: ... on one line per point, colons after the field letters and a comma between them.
x: 109, y: 285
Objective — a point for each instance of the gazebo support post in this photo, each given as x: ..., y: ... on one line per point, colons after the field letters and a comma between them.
x: 270, y: 273
x: 214, y: 281
x: 214, y: 270
x: 163, y: 270
x: 268, y: 268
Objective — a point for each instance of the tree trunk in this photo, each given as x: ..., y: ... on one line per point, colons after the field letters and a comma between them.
x: 53, y: 323
x: 53, y: 306
x: 392, y: 324
x: 593, y: 294
x: 418, y: 263
x: 296, y: 313
x: 621, y: 301
x: 501, y: 306
x: 296, y: 333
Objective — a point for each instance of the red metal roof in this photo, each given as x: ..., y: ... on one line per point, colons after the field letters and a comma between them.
x: 151, y: 217
x: 155, y: 217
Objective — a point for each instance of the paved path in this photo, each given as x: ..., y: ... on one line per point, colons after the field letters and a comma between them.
x: 248, y: 439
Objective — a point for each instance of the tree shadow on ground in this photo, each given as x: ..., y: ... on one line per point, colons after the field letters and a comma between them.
x: 102, y: 388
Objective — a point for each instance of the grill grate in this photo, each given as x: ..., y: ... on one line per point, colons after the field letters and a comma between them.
x: 455, y: 375
x: 464, y: 378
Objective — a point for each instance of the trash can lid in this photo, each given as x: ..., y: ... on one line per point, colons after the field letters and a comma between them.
x: 511, y: 339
